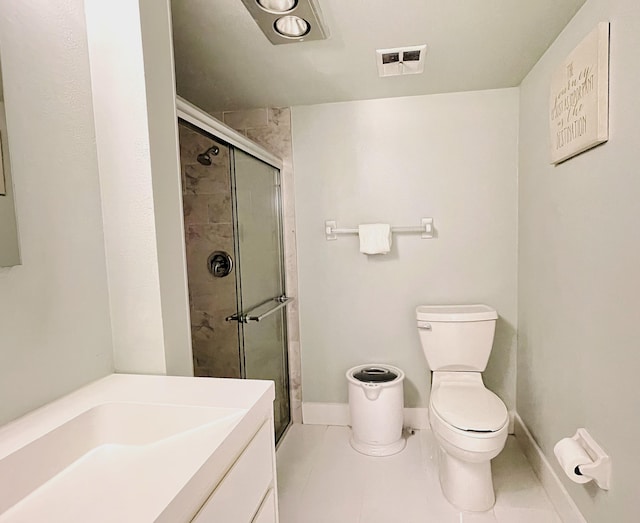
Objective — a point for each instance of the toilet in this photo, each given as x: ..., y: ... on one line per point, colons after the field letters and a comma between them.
x: 470, y: 423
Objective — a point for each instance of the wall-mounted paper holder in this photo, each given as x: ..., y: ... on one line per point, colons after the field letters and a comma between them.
x: 600, y: 469
x: 331, y: 229
x: 597, y: 467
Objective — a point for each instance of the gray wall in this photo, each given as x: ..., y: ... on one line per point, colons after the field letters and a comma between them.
x: 55, y: 333
x: 451, y: 157
x: 579, y: 280
x: 137, y: 143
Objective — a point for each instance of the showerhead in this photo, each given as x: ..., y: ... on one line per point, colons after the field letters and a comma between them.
x: 205, y: 157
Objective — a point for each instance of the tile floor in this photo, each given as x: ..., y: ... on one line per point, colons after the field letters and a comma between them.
x: 321, y: 479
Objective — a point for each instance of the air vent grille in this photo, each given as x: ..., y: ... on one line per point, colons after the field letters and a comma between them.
x: 401, y: 60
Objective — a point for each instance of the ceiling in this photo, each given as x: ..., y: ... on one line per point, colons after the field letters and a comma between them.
x: 224, y: 61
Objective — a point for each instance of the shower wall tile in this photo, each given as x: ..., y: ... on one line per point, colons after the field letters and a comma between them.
x: 202, y: 326
x: 207, y: 208
x: 271, y: 139
x: 295, y: 381
x: 280, y: 116
x: 212, y: 356
x: 242, y: 120
x: 195, y: 209
x: 208, y: 227
x: 224, y: 365
x: 215, y: 297
x: 201, y: 241
x: 293, y: 329
x: 191, y: 143
x: 219, y: 208
x: 207, y: 179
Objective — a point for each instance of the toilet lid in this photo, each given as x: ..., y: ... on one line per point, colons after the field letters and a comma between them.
x: 469, y: 407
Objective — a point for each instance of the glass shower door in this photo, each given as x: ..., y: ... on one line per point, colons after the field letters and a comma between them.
x: 261, y: 291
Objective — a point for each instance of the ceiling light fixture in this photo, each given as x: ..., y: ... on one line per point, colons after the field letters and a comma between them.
x: 292, y: 26
x: 277, y: 6
x: 287, y: 21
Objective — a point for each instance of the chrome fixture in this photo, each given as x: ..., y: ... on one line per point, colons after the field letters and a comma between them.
x: 287, y: 21
x: 220, y: 264
x: 205, y: 157
x: 277, y: 6
x: 292, y: 26
x: 277, y: 303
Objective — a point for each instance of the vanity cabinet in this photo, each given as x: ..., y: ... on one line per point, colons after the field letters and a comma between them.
x: 246, y: 494
x: 267, y: 512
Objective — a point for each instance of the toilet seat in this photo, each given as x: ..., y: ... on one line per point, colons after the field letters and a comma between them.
x: 469, y: 407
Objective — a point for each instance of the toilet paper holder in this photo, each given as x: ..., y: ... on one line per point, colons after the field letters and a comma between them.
x: 600, y: 468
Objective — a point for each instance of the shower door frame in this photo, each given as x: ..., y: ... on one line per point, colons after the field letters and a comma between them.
x: 203, y: 121
x: 207, y: 123
x: 237, y: 250
x: 243, y: 325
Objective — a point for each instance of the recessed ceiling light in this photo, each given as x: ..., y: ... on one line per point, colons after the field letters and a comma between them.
x: 292, y: 26
x: 277, y: 6
x: 288, y: 21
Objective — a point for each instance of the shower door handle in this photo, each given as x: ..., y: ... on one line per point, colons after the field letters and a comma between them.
x: 280, y: 301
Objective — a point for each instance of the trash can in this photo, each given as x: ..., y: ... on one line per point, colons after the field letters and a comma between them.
x: 376, y: 403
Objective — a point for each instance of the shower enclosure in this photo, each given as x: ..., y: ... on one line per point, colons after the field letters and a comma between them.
x: 235, y: 264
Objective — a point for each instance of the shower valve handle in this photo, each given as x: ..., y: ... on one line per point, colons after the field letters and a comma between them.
x: 220, y: 264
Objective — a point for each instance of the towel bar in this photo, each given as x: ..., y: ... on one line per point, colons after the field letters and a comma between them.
x: 331, y: 229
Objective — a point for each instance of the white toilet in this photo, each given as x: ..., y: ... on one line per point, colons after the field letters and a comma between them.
x: 469, y: 421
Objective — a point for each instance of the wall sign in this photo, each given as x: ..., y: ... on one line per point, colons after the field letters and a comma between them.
x: 579, y: 101
x: 3, y: 188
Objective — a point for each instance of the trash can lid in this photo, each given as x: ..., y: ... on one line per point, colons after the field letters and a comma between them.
x: 375, y: 375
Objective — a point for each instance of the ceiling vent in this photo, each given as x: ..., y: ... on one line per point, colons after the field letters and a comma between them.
x: 401, y: 60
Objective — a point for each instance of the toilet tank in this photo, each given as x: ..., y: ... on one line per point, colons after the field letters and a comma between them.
x: 456, y: 337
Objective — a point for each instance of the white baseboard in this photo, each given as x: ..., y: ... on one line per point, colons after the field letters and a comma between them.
x: 562, y: 501
x: 416, y: 418
x: 314, y: 413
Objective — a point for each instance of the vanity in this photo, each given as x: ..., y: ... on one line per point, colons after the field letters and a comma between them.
x: 133, y: 448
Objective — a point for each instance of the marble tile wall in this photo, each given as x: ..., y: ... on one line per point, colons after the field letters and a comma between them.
x: 271, y: 128
x: 208, y: 227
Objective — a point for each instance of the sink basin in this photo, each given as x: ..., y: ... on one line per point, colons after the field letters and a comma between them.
x: 101, y: 442
x: 116, y: 460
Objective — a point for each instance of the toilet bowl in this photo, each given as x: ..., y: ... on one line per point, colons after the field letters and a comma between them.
x: 470, y: 423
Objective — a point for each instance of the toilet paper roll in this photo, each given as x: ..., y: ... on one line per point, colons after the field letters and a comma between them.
x: 571, y: 454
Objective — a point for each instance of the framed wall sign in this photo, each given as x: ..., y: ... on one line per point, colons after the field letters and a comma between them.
x: 9, y: 248
x: 579, y: 99
x: 3, y: 187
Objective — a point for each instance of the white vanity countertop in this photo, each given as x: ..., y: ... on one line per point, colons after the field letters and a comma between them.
x: 128, y: 448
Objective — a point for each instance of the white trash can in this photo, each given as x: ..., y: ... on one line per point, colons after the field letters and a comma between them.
x: 376, y: 403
